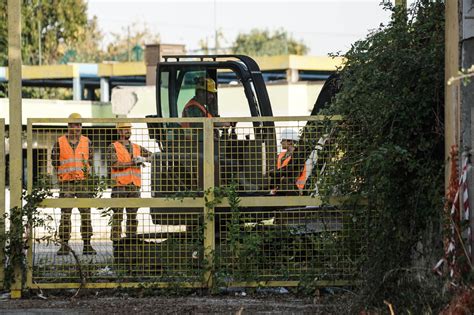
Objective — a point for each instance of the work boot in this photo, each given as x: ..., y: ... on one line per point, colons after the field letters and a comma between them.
x: 63, y: 250
x: 87, y: 249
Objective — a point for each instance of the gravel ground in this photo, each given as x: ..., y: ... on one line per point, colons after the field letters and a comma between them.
x: 124, y: 304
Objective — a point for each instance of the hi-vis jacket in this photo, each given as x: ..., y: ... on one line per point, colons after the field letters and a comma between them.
x: 192, y: 102
x: 130, y: 175
x: 301, y: 180
x: 72, y: 163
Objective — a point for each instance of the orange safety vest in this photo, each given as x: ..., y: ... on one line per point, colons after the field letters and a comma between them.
x: 192, y: 102
x: 72, y: 163
x: 301, y: 180
x: 126, y: 176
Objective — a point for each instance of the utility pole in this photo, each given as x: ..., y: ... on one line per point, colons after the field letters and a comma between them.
x: 216, y: 35
x: 467, y: 102
x: 459, y: 97
x: 15, y: 109
x: 128, y: 43
x: 39, y: 42
x: 451, y: 63
x: 401, y: 3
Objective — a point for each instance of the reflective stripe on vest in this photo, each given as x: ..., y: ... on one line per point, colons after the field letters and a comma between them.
x: 301, y: 180
x: 66, y: 161
x: 73, y: 162
x: 192, y: 102
x: 129, y: 175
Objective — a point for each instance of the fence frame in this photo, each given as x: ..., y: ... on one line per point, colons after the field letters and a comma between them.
x: 208, y: 214
x: 2, y: 201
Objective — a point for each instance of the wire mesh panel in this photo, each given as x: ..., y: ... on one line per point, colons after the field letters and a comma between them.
x: 132, y: 201
x: 93, y: 152
x: 156, y: 253
x: 291, y: 158
x: 287, y: 245
x: 81, y: 164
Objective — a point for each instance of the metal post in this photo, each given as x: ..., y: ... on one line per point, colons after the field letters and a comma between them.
x: 467, y: 99
x: 451, y: 63
x: 2, y: 202
x: 15, y: 109
x: 39, y: 42
x: 76, y: 88
x: 104, y: 90
x: 209, y: 231
x: 401, y: 3
x: 29, y: 182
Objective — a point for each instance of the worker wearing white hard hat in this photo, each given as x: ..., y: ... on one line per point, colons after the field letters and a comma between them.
x: 71, y: 157
x: 289, y: 138
x: 289, y: 134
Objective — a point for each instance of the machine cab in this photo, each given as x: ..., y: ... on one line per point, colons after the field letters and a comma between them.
x: 177, y: 77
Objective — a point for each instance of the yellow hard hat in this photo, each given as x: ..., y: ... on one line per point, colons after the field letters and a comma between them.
x: 75, y: 116
x: 123, y: 125
x: 206, y: 84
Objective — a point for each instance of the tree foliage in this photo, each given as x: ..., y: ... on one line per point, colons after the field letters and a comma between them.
x: 393, y: 96
x: 266, y: 43
x: 88, y: 49
x: 56, y: 24
x: 129, y: 44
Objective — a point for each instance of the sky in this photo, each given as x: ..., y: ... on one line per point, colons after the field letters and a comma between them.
x: 325, y: 26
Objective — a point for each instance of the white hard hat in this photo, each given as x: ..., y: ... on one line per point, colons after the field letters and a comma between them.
x: 289, y: 134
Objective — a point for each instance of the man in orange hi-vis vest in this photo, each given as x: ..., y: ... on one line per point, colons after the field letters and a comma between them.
x: 71, y: 157
x: 289, y: 176
x: 126, y: 159
x: 203, y: 104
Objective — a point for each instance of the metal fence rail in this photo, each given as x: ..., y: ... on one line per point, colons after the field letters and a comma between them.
x: 210, y: 205
x: 2, y: 201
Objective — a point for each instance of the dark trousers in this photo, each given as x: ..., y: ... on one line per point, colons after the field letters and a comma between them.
x: 129, y: 191
x: 74, y: 189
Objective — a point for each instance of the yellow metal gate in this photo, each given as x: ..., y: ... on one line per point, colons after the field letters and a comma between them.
x: 209, y: 205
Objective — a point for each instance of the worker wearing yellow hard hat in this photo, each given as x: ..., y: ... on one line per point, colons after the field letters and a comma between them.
x: 203, y: 104
x: 206, y: 84
x: 71, y: 157
x: 74, y: 116
x: 126, y: 159
x: 123, y: 125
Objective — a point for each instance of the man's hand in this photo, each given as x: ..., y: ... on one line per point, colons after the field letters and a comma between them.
x: 139, y: 160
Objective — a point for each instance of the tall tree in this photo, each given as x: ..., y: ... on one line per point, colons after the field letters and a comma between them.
x: 48, y: 27
x: 393, y: 95
x: 266, y: 43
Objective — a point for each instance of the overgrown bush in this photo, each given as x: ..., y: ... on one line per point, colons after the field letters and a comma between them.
x: 393, y: 94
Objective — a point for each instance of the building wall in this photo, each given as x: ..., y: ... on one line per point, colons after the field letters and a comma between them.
x: 294, y: 99
x: 37, y: 108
